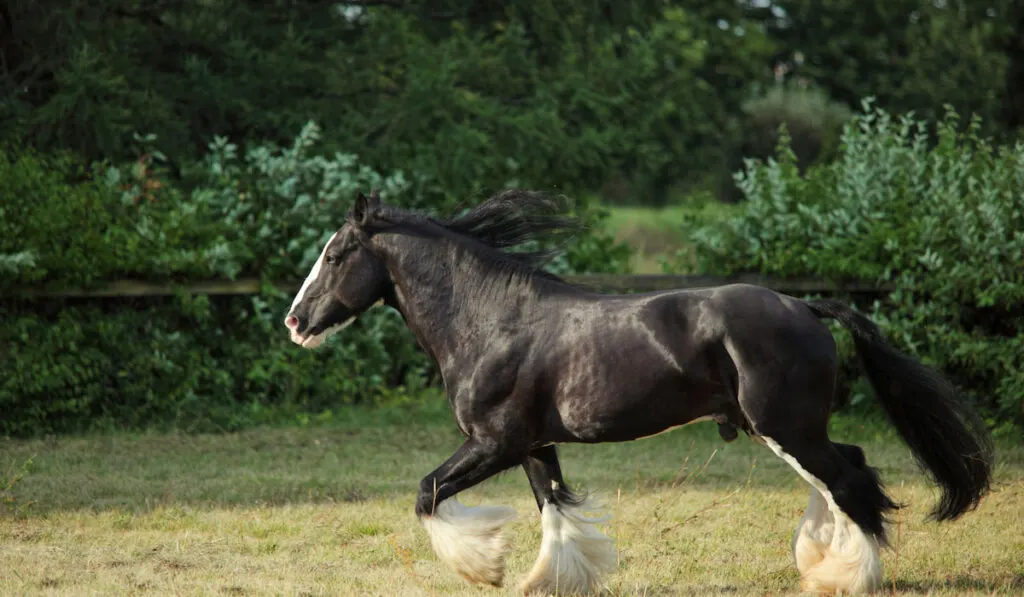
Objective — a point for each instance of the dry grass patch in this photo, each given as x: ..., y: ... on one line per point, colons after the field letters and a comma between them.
x: 328, y: 511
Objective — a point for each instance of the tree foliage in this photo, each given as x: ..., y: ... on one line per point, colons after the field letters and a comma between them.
x: 480, y: 94
x: 910, y: 55
x: 468, y: 94
x: 194, y: 362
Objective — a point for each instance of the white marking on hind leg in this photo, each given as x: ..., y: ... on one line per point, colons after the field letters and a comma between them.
x: 849, y: 561
x: 574, y: 554
x: 470, y: 539
x: 813, y: 534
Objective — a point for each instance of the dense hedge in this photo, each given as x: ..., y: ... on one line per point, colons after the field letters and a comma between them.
x: 942, y: 222
x: 192, y: 362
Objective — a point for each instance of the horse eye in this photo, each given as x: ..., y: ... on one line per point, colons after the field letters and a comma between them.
x: 331, y: 260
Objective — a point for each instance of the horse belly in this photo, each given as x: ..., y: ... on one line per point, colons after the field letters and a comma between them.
x: 641, y: 399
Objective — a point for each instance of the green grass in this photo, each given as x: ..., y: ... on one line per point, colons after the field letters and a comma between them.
x: 659, y: 236
x: 328, y: 510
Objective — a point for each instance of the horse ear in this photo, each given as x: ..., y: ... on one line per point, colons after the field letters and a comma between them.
x: 374, y: 198
x: 362, y: 209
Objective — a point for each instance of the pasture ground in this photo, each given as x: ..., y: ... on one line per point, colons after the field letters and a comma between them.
x: 327, y: 510
x: 660, y: 235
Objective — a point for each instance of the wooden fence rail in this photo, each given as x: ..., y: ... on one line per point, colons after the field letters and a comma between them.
x: 603, y: 282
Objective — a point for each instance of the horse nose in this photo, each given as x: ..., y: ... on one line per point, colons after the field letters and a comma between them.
x: 291, y: 322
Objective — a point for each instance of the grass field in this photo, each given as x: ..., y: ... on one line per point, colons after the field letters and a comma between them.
x: 658, y: 235
x: 328, y: 511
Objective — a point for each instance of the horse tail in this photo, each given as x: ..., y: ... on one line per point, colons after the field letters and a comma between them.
x: 948, y: 439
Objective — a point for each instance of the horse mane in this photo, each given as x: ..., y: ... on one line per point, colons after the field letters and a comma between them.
x: 509, y: 219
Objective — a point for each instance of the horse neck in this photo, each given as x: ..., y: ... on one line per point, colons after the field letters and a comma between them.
x: 452, y: 300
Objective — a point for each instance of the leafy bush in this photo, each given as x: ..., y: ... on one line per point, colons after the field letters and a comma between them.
x: 942, y: 222
x: 812, y: 120
x: 62, y: 221
x: 65, y: 225
x: 193, y: 362
x: 279, y: 205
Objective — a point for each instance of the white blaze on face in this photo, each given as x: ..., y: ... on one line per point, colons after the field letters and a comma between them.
x: 317, y: 340
x: 313, y: 273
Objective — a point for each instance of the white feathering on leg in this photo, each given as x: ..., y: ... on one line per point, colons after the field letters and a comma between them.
x: 851, y: 563
x: 814, y: 533
x: 574, y: 554
x: 470, y: 539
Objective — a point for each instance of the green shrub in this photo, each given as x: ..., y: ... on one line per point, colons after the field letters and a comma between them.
x: 278, y: 205
x: 942, y: 222
x: 194, y: 362
x: 50, y: 223
x: 187, y: 362
x: 813, y: 121
x: 64, y: 225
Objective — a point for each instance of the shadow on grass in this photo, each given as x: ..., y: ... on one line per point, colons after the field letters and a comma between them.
x: 1011, y: 582
x: 960, y: 584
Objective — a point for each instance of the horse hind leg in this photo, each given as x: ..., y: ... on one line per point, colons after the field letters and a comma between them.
x: 814, y: 532
x: 836, y: 545
x: 574, y: 555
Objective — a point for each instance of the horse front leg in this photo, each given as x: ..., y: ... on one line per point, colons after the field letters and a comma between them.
x: 574, y: 554
x: 468, y: 539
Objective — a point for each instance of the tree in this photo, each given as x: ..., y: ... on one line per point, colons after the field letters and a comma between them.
x: 908, y: 54
x: 462, y: 95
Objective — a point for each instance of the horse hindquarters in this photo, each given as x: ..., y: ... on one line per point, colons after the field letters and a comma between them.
x: 786, y: 369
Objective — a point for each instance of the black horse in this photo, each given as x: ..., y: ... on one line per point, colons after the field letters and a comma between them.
x: 530, y: 361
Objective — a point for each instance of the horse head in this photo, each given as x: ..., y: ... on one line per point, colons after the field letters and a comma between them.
x: 346, y: 280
